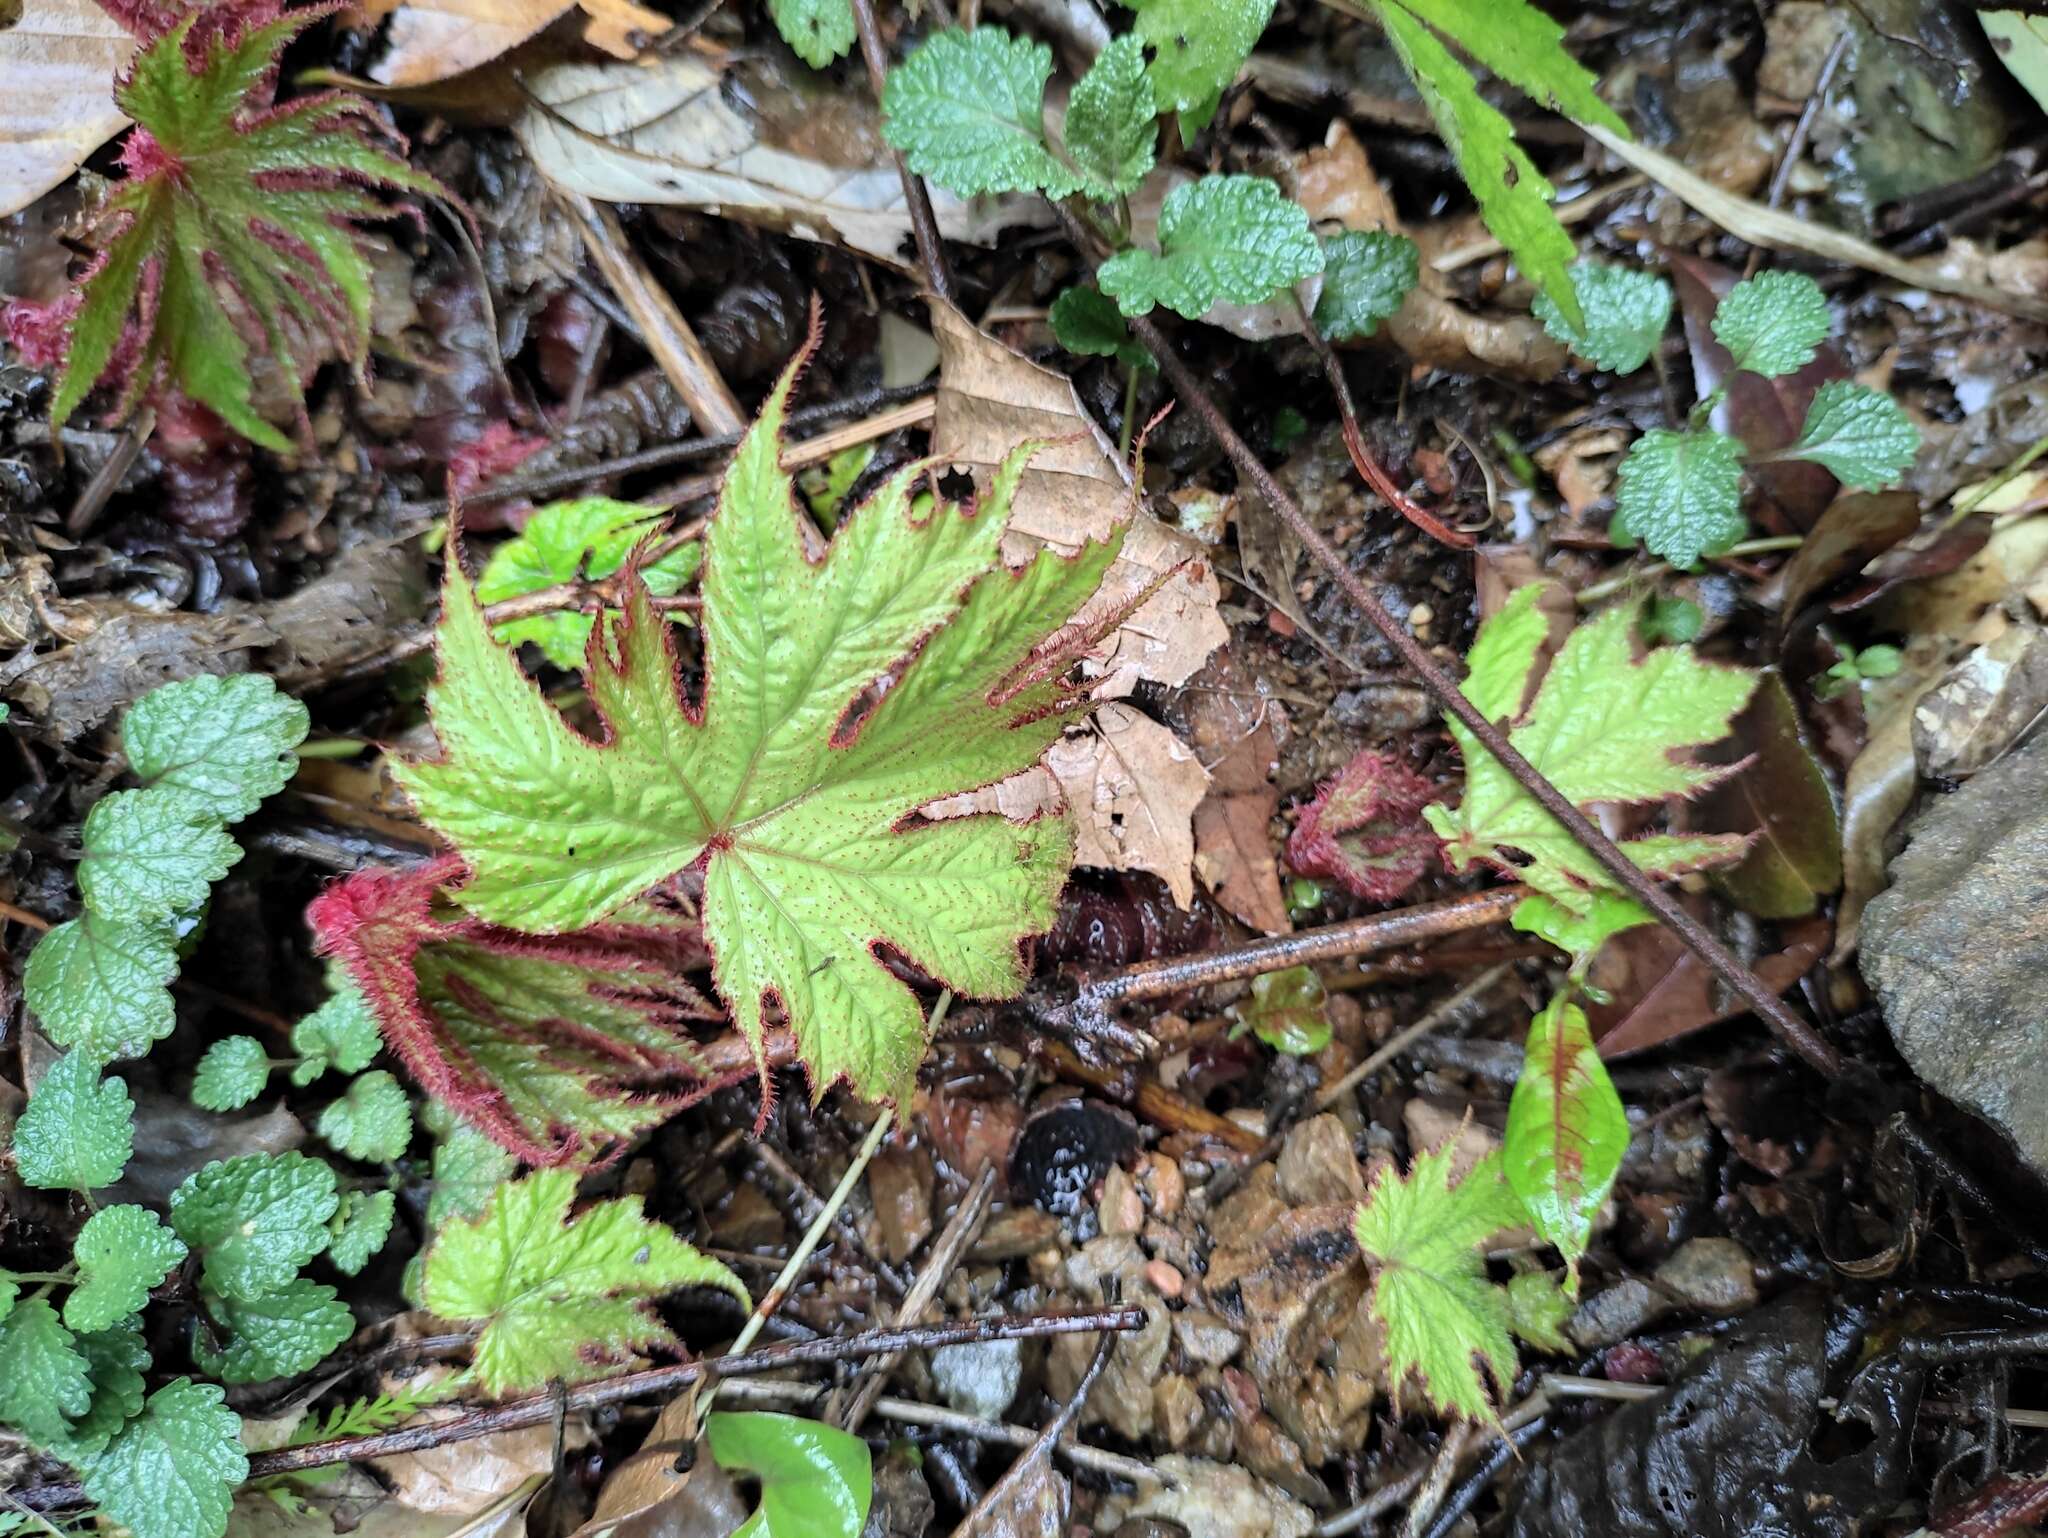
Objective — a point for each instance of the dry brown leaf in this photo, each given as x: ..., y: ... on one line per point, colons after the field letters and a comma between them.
x: 433, y: 40
x: 59, y: 61
x: 795, y: 154
x: 990, y: 400
x: 1232, y: 728
x: 1132, y: 786
x: 1336, y: 183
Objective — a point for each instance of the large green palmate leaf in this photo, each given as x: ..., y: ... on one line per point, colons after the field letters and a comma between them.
x: 792, y: 783
x: 554, y: 1047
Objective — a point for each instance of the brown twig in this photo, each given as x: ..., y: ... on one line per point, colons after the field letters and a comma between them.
x: 847, y: 1414
x: 1039, y: 1453
x: 1793, y: 1031
x: 540, y: 1409
x: 1353, y: 937
x: 666, y: 334
x: 1153, y: 1101
x: 924, y: 224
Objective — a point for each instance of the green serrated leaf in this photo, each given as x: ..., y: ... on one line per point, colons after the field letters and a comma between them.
x: 101, y: 987
x: 1086, y: 321
x: 172, y: 1471
x: 236, y: 222
x: 122, y: 1252
x: 117, y: 1358
x: 589, y: 537
x: 1525, y: 48
x: 1681, y: 495
x: 559, y: 1298
x: 1625, y: 312
x: 1579, y: 933
x: 1860, y: 435
x: 1537, y: 1309
x: 78, y: 1130
x: 1566, y: 1131
x: 231, y: 1074
x: 1223, y: 239
x: 816, y: 1480
x: 360, y: 1228
x: 818, y: 30
x: 151, y: 854
x: 373, y: 1121
x: 255, y: 1219
x: 799, y: 827
x: 554, y: 1049
x: 1445, y: 1322
x: 1288, y: 1011
x: 1366, y: 275
x: 1110, y: 132
x: 1198, y: 48
x: 45, y: 1381
x: 10, y: 1289
x: 285, y: 1332
x: 1514, y: 198
x: 967, y: 109
x: 1603, y: 727
x: 468, y: 1167
x: 341, y: 1034
x: 225, y: 741
x: 1772, y: 323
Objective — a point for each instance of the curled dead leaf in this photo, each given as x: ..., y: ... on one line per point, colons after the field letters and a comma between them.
x: 799, y: 157
x: 1075, y: 490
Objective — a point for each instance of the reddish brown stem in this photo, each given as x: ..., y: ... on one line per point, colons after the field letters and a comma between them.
x: 1792, y: 1030
x: 1370, y: 469
x: 540, y: 1409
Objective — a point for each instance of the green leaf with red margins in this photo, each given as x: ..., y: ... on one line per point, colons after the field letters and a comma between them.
x: 1566, y: 1130
x: 553, y: 1047
x: 841, y: 696
x: 235, y: 226
x: 1604, y: 726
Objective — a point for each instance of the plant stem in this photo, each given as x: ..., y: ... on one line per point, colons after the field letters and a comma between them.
x: 1770, y: 544
x: 924, y: 224
x: 1793, y: 1031
x: 1123, y: 437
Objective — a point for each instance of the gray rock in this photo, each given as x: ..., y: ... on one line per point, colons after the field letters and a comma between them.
x: 1957, y: 948
x: 979, y: 1377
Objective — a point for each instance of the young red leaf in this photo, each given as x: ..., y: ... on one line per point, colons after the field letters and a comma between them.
x: 234, y: 225
x: 1365, y: 830
x: 554, y: 1047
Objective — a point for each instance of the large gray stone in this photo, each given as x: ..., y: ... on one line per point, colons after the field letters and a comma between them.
x: 1957, y: 948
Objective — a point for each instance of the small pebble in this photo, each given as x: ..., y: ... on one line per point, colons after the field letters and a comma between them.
x: 1163, y: 1278
x: 1421, y: 617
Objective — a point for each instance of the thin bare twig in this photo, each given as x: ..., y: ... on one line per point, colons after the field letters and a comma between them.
x: 1793, y: 1031
x: 1040, y: 1450
x: 541, y: 1409
x: 959, y: 1233
x: 924, y: 224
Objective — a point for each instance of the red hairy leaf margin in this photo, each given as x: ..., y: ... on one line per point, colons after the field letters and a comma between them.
x: 1364, y: 829
x: 583, y: 1082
